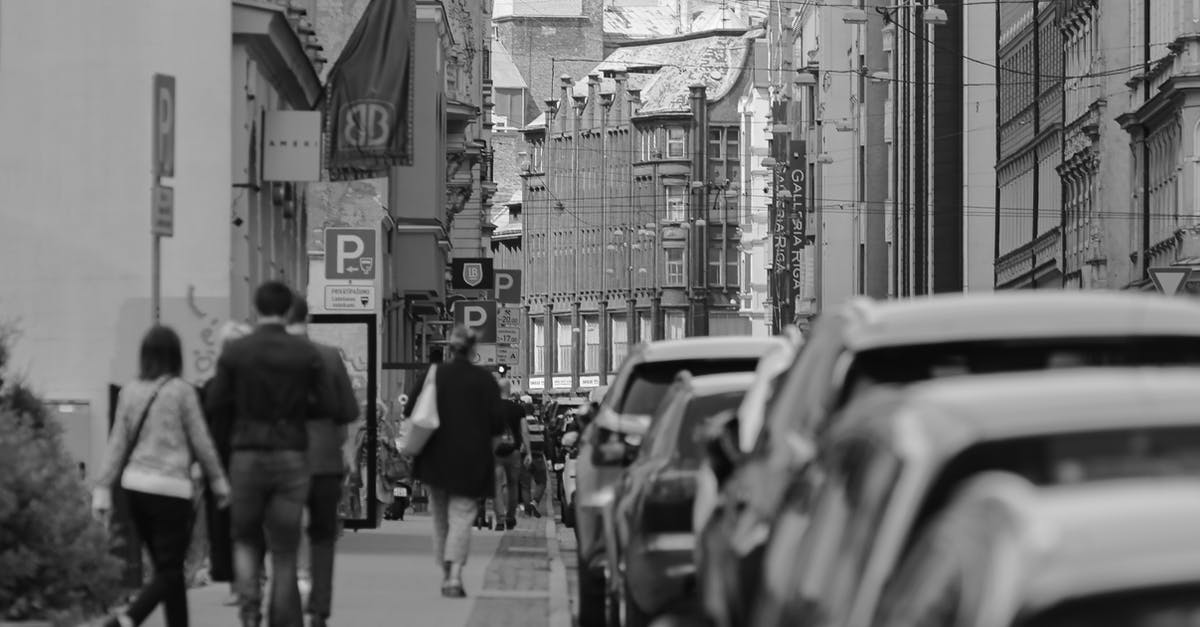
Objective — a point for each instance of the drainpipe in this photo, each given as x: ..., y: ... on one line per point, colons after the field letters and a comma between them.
x: 698, y: 237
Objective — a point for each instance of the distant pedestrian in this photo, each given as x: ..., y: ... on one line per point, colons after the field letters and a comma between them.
x: 158, y: 433
x: 273, y: 383
x: 535, y: 474
x: 512, y: 457
x: 327, y: 465
x: 457, y: 461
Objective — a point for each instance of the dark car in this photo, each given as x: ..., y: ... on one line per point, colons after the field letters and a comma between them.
x: 651, y: 518
x: 611, y: 439
x: 868, y: 343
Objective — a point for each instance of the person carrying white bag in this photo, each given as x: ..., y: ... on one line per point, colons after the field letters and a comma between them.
x: 454, y: 425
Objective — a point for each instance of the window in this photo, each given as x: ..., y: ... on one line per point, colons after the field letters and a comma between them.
x: 724, y: 156
x: 673, y: 266
x: 645, y: 328
x: 539, y: 347
x: 715, y: 262
x: 591, y: 344
x: 676, y: 203
x: 618, y: 333
x: 676, y: 142
x: 732, y: 255
x: 674, y: 325
x: 565, y: 362
x: 649, y: 145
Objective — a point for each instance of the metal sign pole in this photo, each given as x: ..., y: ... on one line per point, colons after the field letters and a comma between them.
x: 156, y: 277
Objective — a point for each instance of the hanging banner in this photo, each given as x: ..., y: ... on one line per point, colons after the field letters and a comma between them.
x: 368, y: 99
x: 778, y: 217
x: 797, y: 226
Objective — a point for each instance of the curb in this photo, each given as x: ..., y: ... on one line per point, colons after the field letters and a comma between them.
x: 560, y: 606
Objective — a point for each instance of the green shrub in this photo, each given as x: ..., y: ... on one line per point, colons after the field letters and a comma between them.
x: 55, y: 562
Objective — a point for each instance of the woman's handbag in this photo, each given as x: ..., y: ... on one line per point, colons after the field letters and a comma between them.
x: 424, y: 420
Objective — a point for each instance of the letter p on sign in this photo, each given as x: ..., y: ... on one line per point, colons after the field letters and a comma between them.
x: 164, y: 126
x: 479, y: 316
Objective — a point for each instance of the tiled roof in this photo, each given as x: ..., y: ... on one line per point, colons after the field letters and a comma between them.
x: 716, y: 61
x: 640, y: 22
x: 501, y: 218
x: 505, y: 74
x: 719, y: 18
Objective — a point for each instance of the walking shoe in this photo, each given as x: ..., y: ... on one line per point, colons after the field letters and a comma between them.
x: 453, y: 590
x: 316, y: 621
x: 499, y: 526
x: 511, y: 522
x: 532, y: 509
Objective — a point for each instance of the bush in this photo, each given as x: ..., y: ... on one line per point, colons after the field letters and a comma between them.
x: 55, y: 562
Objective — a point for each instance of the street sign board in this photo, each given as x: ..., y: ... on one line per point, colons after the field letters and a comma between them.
x: 561, y: 383
x: 508, y: 287
x: 472, y: 274
x: 479, y: 316
x: 507, y: 354
x: 537, y: 382
x: 162, y: 211
x: 485, y: 355
x: 507, y: 336
x: 589, y: 381
x: 350, y: 297
x: 163, y: 151
x: 292, y: 146
x: 1170, y: 280
x: 350, y: 254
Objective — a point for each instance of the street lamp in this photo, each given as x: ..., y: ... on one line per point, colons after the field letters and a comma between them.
x: 933, y: 15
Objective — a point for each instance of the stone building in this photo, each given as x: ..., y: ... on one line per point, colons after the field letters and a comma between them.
x: 631, y: 215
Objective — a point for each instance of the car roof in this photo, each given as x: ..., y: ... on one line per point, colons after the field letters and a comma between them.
x: 711, y: 384
x: 749, y: 347
x: 947, y: 318
x: 949, y: 414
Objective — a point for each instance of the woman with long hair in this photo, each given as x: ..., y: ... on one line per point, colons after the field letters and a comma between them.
x: 158, y: 433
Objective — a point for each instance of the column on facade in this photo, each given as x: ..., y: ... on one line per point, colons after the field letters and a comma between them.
x: 698, y: 234
x: 551, y: 331
x: 578, y: 342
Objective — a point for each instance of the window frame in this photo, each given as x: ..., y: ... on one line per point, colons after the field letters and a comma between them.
x: 676, y: 143
x: 675, y: 199
x: 559, y: 347
x: 674, y: 271
x: 538, y: 332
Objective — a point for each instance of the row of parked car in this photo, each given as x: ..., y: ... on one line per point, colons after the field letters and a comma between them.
x: 1014, y: 459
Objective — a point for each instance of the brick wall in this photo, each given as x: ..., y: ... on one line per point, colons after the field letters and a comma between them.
x: 538, y: 43
x: 507, y: 174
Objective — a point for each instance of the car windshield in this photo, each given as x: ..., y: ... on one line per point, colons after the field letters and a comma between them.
x: 648, y: 383
x: 698, y: 411
x: 1175, y: 606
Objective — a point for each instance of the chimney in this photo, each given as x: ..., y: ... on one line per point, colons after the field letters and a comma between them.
x: 565, y: 97
x: 620, y: 80
x: 593, y: 95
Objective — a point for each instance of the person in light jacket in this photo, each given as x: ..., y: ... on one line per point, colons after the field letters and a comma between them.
x: 157, y: 477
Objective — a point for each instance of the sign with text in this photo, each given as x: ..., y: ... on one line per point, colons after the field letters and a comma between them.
x: 508, y: 287
x: 350, y: 254
x: 797, y: 210
x: 292, y: 146
x: 589, y: 381
x: 537, y: 382
x: 485, y: 355
x: 480, y: 317
x: 472, y: 274
x: 163, y: 155
x: 162, y: 213
x: 350, y: 297
x: 561, y: 383
x: 508, y: 354
x: 777, y: 219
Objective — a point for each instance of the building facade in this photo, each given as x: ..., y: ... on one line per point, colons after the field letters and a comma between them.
x: 631, y: 213
x: 77, y: 221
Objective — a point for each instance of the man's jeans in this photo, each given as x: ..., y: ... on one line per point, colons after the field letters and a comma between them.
x: 537, y: 475
x: 270, y: 489
x: 508, y: 477
x: 324, y: 494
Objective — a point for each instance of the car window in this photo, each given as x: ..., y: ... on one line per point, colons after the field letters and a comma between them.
x: 846, y: 515
x: 649, y: 381
x: 655, y: 442
x: 684, y: 438
x: 1175, y: 606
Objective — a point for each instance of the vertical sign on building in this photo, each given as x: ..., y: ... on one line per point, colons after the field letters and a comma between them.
x: 162, y: 198
x: 797, y: 227
x: 778, y: 215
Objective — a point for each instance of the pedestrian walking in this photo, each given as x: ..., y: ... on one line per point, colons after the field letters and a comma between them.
x: 512, y: 456
x: 535, y: 474
x: 272, y: 382
x: 327, y: 467
x: 456, y: 463
x: 158, y: 433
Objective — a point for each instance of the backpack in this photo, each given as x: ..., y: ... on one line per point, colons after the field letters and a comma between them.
x: 394, y: 466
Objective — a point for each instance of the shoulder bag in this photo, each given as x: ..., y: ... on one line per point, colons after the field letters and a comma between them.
x: 424, y: 420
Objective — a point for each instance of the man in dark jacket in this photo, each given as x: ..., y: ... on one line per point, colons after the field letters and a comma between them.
x: 327, y: 466
x: 271, y: 383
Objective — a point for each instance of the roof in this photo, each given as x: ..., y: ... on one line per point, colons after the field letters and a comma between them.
x: 1016, y: 314
x: 505, y: 74
x: 726, y: 347
x: 950, y: 414
x: 640, y: 22
x: 715, y: 61
x: 719, y: 18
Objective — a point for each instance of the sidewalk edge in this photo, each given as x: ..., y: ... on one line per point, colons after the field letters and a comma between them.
x: 560, y: 606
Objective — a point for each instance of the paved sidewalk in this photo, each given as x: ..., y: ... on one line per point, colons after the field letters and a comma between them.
x: 387, y: 577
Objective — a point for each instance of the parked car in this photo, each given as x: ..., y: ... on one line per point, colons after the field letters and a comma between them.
x: 649, y: 525
x: 1007, y: 553
x: 610, y: 440
x: 897, y: 456
x: 868, y: 343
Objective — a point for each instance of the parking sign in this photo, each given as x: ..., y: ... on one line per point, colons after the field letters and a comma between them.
x: 350, y: 254
x: 508, y: 287
x: 479, y: 316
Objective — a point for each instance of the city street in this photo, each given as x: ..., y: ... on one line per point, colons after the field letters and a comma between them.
x: 386, y: 577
